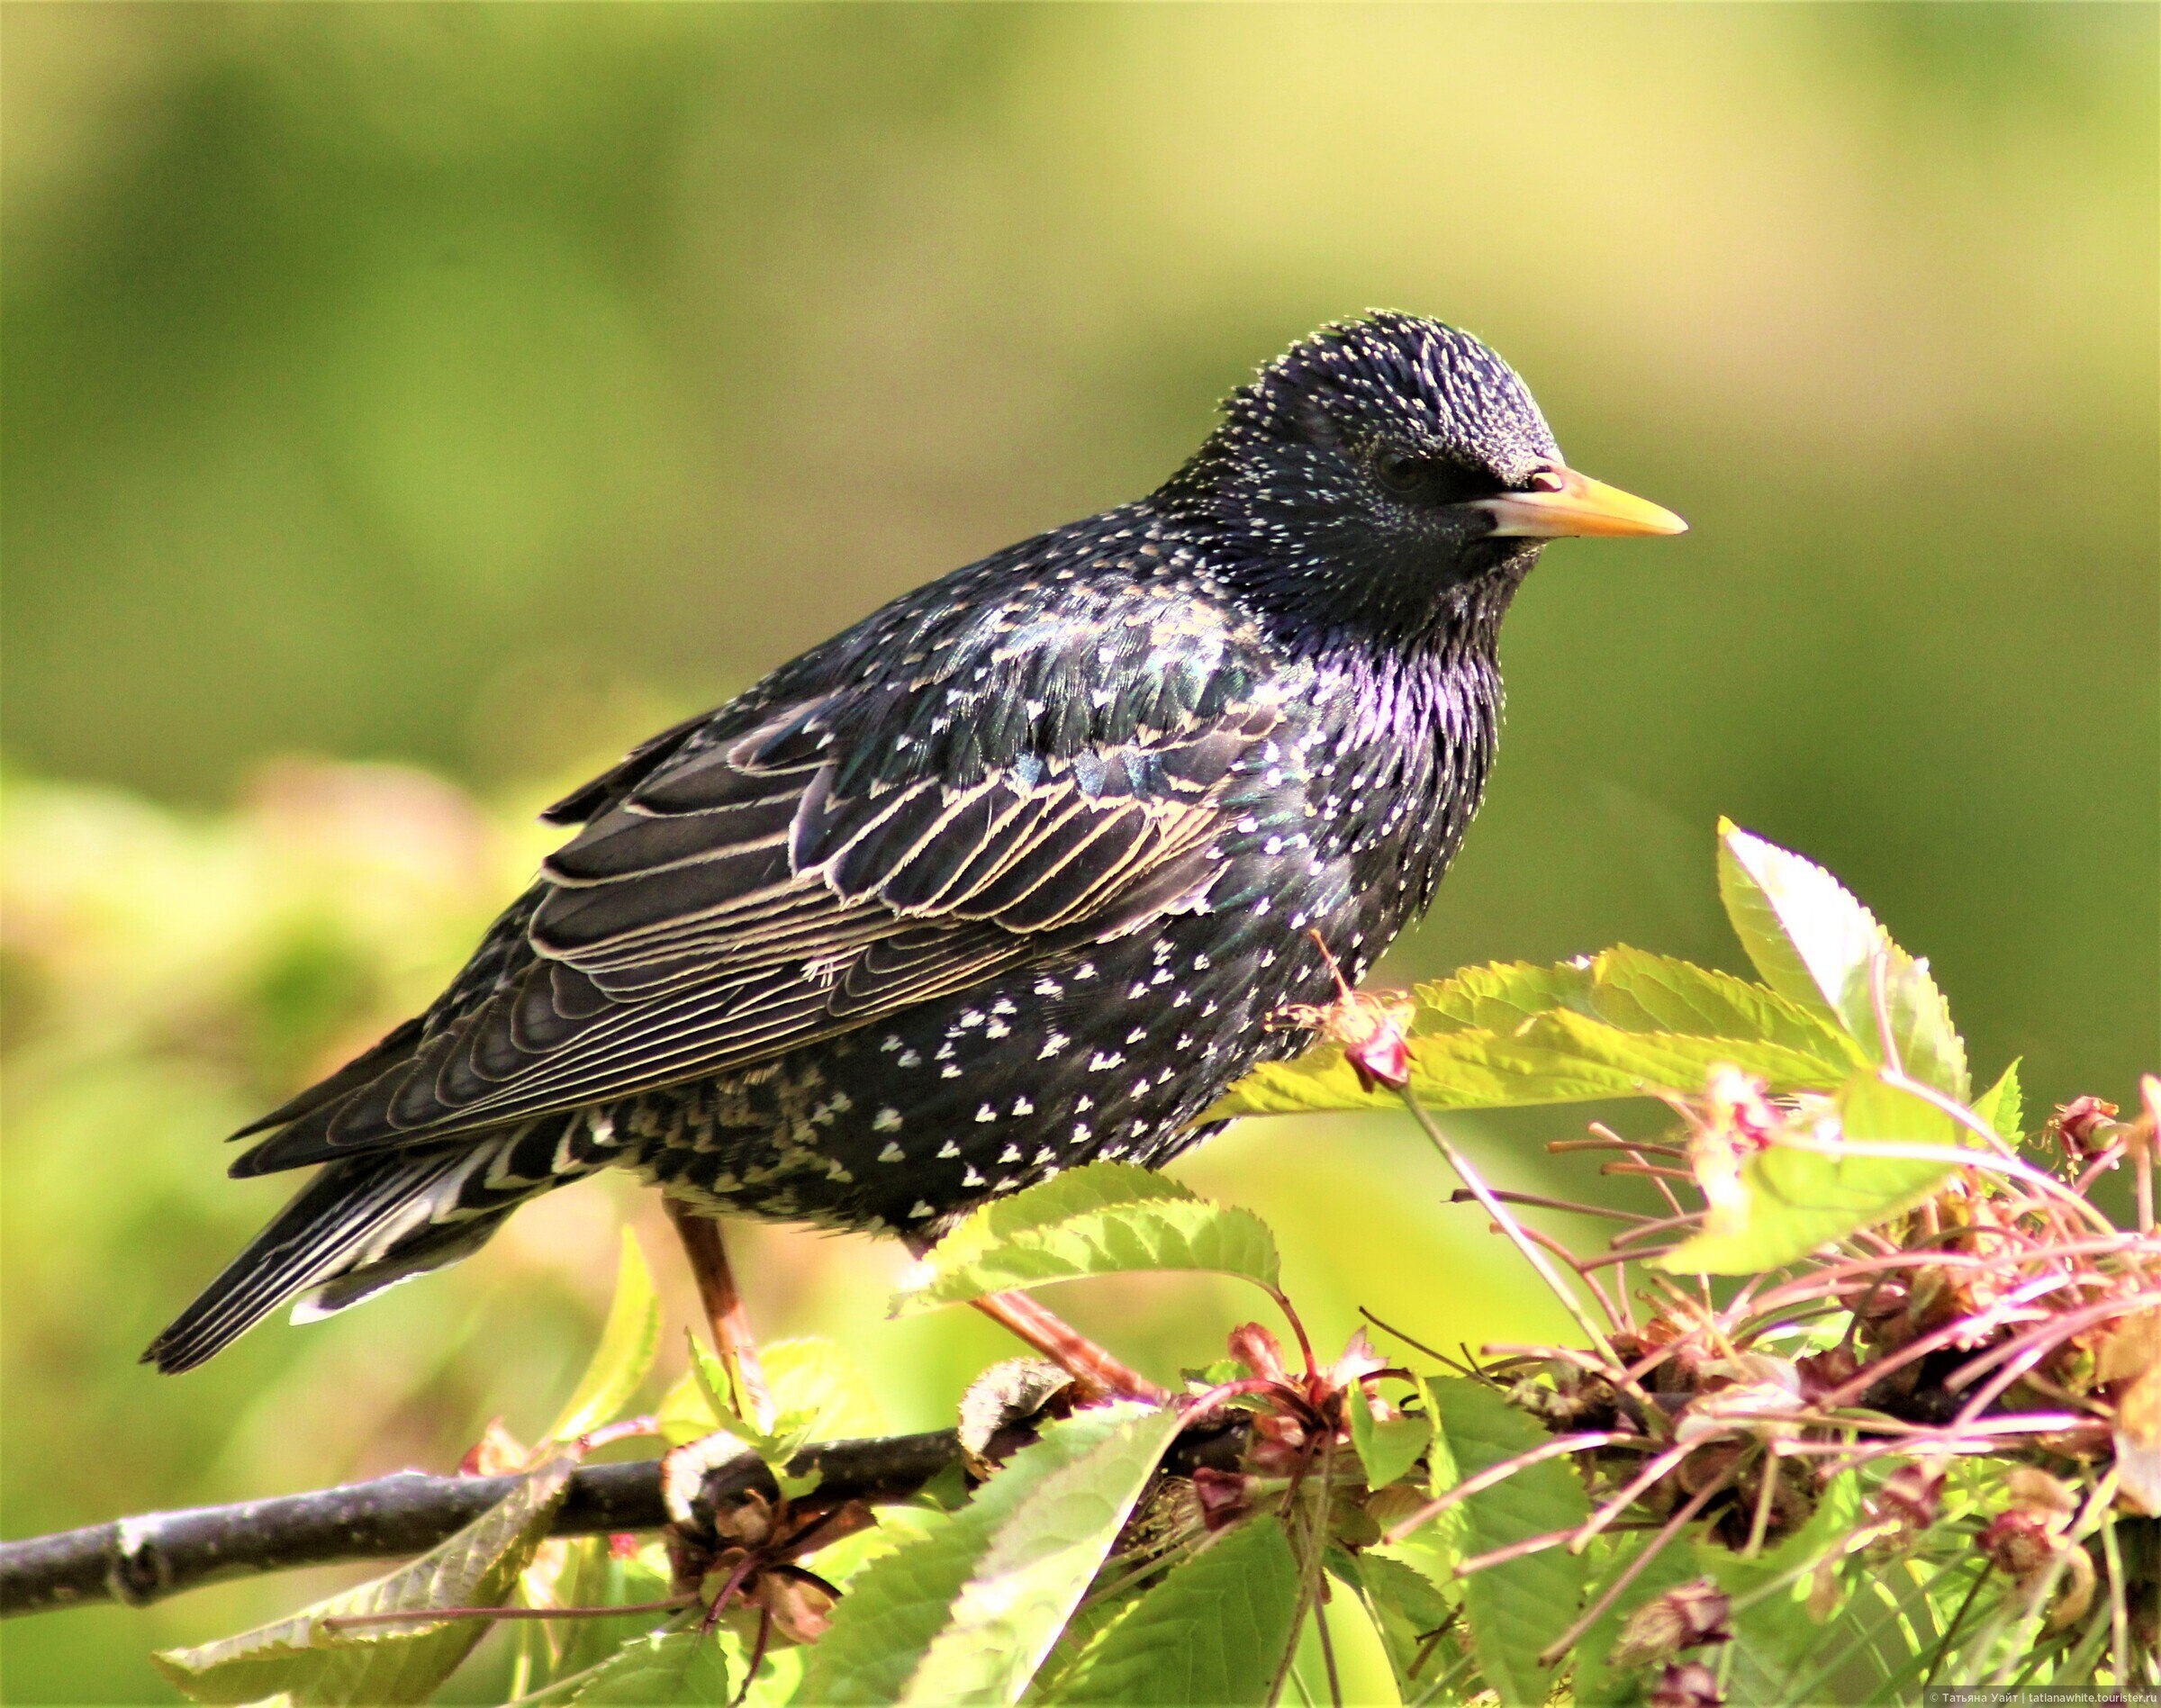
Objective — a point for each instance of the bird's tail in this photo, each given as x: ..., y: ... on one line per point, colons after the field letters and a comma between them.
x: 363, y: 1224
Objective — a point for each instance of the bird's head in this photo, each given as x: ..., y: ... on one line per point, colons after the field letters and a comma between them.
x: 1388, y: 472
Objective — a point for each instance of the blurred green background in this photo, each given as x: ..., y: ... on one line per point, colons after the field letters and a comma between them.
x: 408, y: 407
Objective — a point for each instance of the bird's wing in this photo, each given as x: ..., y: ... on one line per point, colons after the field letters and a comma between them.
x: 731, y: 900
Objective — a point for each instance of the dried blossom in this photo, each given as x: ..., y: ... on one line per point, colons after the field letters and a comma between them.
x: 1683, y: 1617
x: 2085, y: 1126
x: 1687, y: 1685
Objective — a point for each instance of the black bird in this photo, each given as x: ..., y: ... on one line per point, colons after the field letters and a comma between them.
x: 1010, y: 876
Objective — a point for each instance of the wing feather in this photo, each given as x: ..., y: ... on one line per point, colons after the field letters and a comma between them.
x: 728, y: 900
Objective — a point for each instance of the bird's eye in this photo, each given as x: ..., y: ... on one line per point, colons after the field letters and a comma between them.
x: 1430, y: 480
x: 1401, y: 473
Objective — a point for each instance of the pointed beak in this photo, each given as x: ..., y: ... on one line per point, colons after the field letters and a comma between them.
x: 1577, y: 505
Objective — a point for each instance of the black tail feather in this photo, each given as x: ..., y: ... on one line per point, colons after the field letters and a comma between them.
x: 351, y: 1230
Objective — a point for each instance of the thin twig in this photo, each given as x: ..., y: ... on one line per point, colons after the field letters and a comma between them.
x: 1650, y: 1551
x: 430, y: 1615
x: 1501, y: 1472
x: 144, y: 1559
x: 1531, y: 1253
x: 1536, y: 1201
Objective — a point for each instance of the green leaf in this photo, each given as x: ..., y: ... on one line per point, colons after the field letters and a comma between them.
x: 968, y: 1613
x: 816, y: 1379
x: 1512, y: 1611
x: 2002, y: 1109
x: 1598, y: 1683
x: 1501, y: 996
x: 1386, y: 1448
x: 387, y: 1663
x: 1795, y: 1200
x: 1211, y: 1630
x: 685, y: 1415
x: 629, y: 1342
x: 1622, y: 1024
x: 1776, y: 1638
x: 1407, y: 1608
x: 591, y: 1576
x: 716, y: 1389
x: 1634, y: 991
x: 817, y: 1395
x: 658, y: 1671
x: 1558, y: 1057
x: 1813, y: 943
x: 1641, y: 992
x: 1105, y: 1218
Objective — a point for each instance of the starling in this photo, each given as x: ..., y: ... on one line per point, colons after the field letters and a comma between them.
x: 1008, y: 877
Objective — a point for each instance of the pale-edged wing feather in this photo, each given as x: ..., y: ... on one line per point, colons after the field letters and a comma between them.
x: 726, y: 902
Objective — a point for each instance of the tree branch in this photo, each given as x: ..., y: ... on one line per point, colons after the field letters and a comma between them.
x: 144, y: 1559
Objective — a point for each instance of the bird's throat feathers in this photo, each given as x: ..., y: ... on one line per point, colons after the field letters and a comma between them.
x: 1319, y: 584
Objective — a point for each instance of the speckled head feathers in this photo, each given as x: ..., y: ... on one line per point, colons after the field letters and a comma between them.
x: 1342, y: 493
x: 1403, y: 378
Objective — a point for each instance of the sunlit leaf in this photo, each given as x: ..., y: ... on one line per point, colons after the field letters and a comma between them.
x: 384, y: 1663
x: 815, y: 1379
x: 594, y: 1576
x: 1777, y: 1637
x: 1501, y: 996
x: 669, y: 1668
x: 1813, y: 943
x: 1213, y: 1630
x: 1105, y: 1218
x: 1643, y: 992
x: 629, y: 1340
x: 1038, y: 1566
x: 1514, y: 1610
x: 1598, y: 1683
x: 1386, y: 1448
x: 1793, y: 1200
x: 1001, y: 1575
x: 1558, y: 1057
x: 1409, y: 1611
x: 2002, y: 1107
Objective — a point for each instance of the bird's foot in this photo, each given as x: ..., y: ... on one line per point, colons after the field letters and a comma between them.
x: 723, y: 1312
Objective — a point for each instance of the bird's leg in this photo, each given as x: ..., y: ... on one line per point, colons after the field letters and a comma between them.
x: 732, y: 1337
x: 1066, y: 1346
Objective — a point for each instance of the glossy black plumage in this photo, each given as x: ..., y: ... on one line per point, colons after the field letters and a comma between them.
x: 1008, y: 876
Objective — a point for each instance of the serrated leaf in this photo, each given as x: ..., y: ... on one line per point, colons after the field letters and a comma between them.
x: 1622, y: 1024
x: 1813, y: 943
x: 815, y: 1379
x: 1038, y: 1566
x: 629, y: 1340
x: 684, y: 1413
x: 1407, y: 1608
x: 1023, y: 1540
x: 387, y: 1663
x: 1105, y: 1218
x: 1386, y: 1447
x: 1212, y: 1631
x: 1511, y: 1611
x: 1558, y: 1057
x: 1793, y: 1200
x: 1599, y: 1684
x: 1643, y: 992
x: 716, y: 1389
x: 1501, y: 996
x: 594, y: 1576
x: 658, y: 1671
x: 1776, y: 1636
x: 2002, y: 1107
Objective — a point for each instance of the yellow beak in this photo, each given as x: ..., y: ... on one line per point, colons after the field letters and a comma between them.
x: 1580, y: 505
